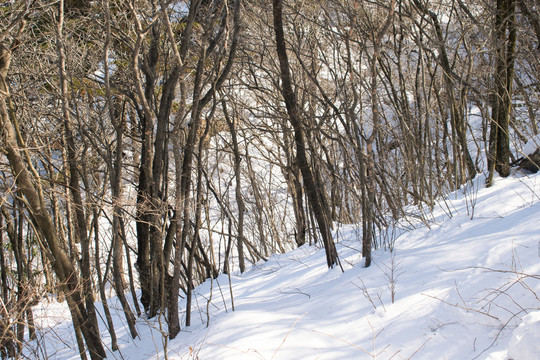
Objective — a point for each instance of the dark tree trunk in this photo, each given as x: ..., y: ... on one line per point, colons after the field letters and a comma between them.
x: 101, y: 284
x: 117, y: 234
x: 29, y: 183
x: 505, y: 44
x: 312, y: 190
x: 81, y: 232
x: 457, y: 118
x: 238, y: 190
x: 116, y: 116
x: 3, y: 265
x: 8, y: 339
x: 294, y: 183
x: 184, y: 211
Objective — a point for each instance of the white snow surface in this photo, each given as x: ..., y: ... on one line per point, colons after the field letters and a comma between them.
x: 532, y: 145
x: 467, y: 285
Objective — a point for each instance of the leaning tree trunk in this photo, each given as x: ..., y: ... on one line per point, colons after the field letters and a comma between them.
x: 28, y: 181
x: 81, y: 232
x: 312, y: 190
x: 457, y: 118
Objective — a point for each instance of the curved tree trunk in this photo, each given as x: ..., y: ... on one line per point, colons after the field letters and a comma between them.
x: 28, y: 181
x: 457, y: 118
x: 312, y: 191
x: 184, y: 177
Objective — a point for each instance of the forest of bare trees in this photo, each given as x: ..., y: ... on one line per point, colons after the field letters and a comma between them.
x: 150, y: 145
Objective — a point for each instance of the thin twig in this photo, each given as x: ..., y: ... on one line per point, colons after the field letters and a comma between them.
x: 286, y: 336
x: 462, y: 307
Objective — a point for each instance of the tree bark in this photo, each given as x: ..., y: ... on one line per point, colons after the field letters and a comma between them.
x: 457, y: 118
x: 183, y: 195
x: 28, y: 181
x: 289, y: 97
x: 505, y: 44
x: 238, y: 190
x: 81, y: 231
x: 116, y: 117
x: 101, y: 284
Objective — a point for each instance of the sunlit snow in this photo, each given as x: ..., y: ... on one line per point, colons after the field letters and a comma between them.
x: 465, y: 287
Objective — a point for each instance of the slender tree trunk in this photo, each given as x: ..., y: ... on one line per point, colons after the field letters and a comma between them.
x: 259, y: 213
x: 22, y: 288
x: 195, y: 234
x: 8, y: 339
x: 368, y: 212
x: 294, y: 183
x: 74, y: 178
x: 101, y: 284
x: 238, y: 190
x: 505, y: 44
x: 130, y: 268
x: 3, y: 265
x: 183, y: 195
x: 116, y: 117
x: 457, y: 118
x: 29, y: 184
x: 311, y: 188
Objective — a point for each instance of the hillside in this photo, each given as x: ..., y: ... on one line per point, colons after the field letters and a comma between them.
x: 466, y: 286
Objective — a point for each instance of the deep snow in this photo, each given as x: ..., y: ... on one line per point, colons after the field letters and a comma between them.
x: 466, y: 287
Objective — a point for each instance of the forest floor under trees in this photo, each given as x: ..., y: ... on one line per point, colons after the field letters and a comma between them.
x: 465, y: 283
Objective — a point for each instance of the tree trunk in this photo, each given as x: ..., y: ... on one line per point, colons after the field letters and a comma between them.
x: 238, y: 190
x: 294, y: 184
x: 81, y: 233
x: 28, y: 181
x: 505, y: 44
x: 3, y: 265
x: 457, y: 118
x: 183, y: 192
x: 101, y: 284
x: 312, y: 191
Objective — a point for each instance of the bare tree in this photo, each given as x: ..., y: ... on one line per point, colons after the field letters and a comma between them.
x: 312, y: 190
x: 29, y: 182
x: 505, y: 45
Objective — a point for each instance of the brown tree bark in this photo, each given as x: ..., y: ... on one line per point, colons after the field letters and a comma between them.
x: 81, y: 231
x: 457, y: 117
x: 115, y: 168
x: 505, y: 45
x: 101, y: 284
x: 312, y: 190
x: 28, y: 181
x: 184, y: 178
x: 294, y: 183
x: 238, y: 191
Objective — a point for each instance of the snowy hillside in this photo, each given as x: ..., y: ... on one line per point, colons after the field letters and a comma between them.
x: 466, y: 286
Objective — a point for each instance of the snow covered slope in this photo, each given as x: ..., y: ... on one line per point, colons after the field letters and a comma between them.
x: 465, y: 286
